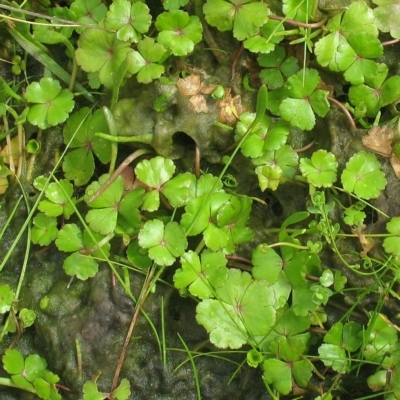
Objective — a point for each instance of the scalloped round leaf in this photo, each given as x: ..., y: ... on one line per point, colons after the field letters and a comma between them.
x: 102, y: 220
x: 129, y: 20
x: 363, y: 176
x: 78, y: 166
x: 391, y: 244
x: 165, y: 243
x: 101, y: 51
x: 52, y: 103
x: 202, y: 277
x: 279, y: 374
x: 387, y: 16
x: 7, y: 297
x: 226, y: 331
x: 267, y: 38
x: 267, y: 264
x: 321, y: 169
x: 179, y: 31
x: 138, y: 256
x: 252, y: 302
x: 83, y: 267
x: 13, y: 361
x: 44, y: 229
x: 178, y: 189
x: 269, y: 176
x: 298, y: 112
x: 69, y: 238
x: 334, y: 356
x: 110, y: 197
x: 243, y: 17
x: 155, y: 172
x: 88, y: 12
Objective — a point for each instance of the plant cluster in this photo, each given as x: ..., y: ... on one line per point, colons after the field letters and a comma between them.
x: 198, y: 222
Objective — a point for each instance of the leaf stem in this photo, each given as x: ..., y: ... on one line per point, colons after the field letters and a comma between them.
x: 345, y: 112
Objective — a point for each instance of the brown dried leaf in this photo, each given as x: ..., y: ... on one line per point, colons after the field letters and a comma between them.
x: 198, y: 104
x: 230, y: 108
x: 190, y: 85
x: 379, y: 139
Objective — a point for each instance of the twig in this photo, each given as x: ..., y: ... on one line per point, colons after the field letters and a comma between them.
x: 197, y: 162
x: 306, y: 147
x: 118, y: 171
x: 235, y: 61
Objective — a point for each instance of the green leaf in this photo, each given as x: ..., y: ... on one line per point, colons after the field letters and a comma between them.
x: 279, y: 374
x: 334, y: 357
x: 104, y: 219
x: 80, y: 130
x: 101, y: 51
x: 78, y: 166
x: 276, y: 166
x: 44, y: 229
x: 299, y: 10
x: 123, y: 391
x: 146, y: 62
x: 321, y: 169
x: 69, y: 238
x: 387, y: 16
x: 304, y: 99
x: 174, y: 4
x: 59, y: 201
x: 267, y: 264
x: 391, y: 244
x: 6, y: 298
x: 178, y: 189
x: 130, y: 21
x: 83, y: 267
x: 263, y: 136
x: 179, y: 31
x: 276, y: 67
x: 243, y: 16
x: 52, y: 104
x: 165, y: 243
x: 244, y: 309
x: 13, y: 361
x: 266, y: 39
x: 201, y: 277
x: 88, y: 12
x: 363, y: 176
x: 138, y: 256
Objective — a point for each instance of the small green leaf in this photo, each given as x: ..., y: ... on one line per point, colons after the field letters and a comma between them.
x: 165, y: 243
x: 321, y: 169
x: 245, y: 308
x: 178, y: 189
x: 130, y: 21
x: 391, y: 244
x: 101, y: 51
x: 44, y: 229
x: 59, y: 195
x: 179, y: 31
x: 243, y: 16
x: 267, y: 264
x: 279, y: 374
x: 202, y: 277
x: 276, y: 67
x: 363, y: 176
x: 52, y: 104
x: 83, y: 267
x: 88, y: 12
x: 304, y: 99
x: 123, y: 391
x: 266, y: 39
x: 69, y: 238
x: 387, y: 16
x: 6, y: 298
x: 13, y: 361
x: 334, y: 357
